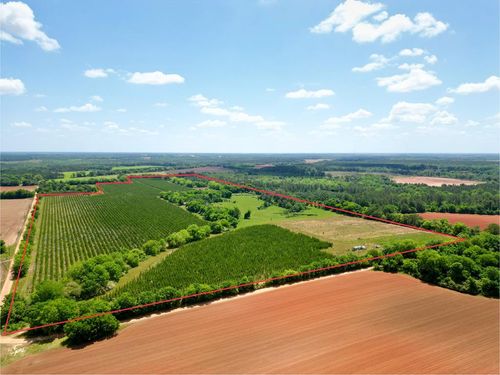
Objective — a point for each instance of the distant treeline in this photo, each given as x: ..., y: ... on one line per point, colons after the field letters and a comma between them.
x: 17, y: 194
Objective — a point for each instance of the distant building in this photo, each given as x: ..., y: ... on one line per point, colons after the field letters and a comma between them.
x: 359, y: 247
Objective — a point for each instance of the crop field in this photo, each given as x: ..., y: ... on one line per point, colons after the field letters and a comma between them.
x: 255, y: 251
x: 12, y: 216
x: 471, y: 220
x: 269, y: 215
x: 432, y: 181
x: 74, y: 228
x: 359, y: 323
x: 345, y: 232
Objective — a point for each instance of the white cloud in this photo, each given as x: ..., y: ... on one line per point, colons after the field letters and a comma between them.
x: 11, y: 86
x: 305, y: 94
x: 318, y: 107
x: 409, y: 112
x: 95, y: 73
x: 154, y: 78
x: 88, y: 107
x: 445, y: 100
x: 334, y: 122
x: 416, y: 79
x: 351, y: 15
x: 411, y: 52
x: 443, y: 118
x: 41, y: 109
x: 270, y: 125
x: 211, y: 124
x: 17, y: 22
x: 21, y: 124
x: 96, y: 98
x: 490, y: 83
x: 432, y: 59
x: 381, y: 16
x: 201, y: 101
x: 346, y: 15
x: 377, y: 62
x: 407, y: 66
x: 70, y: 125
x: 114, y: 128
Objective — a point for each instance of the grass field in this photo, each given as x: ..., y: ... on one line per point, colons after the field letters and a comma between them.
x: 344, y: 232
x: 268, y: 215
x: 74, y: 228
x: 255, y: 252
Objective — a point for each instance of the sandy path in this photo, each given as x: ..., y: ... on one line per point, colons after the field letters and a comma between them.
x: 367, y: 322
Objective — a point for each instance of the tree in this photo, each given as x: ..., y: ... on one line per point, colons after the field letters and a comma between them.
x: 152, y: 247
x: 493, y: 229
x: 247, y: 215
x: 3, y: 248
x: 91, y: 329
x: 47, y: 290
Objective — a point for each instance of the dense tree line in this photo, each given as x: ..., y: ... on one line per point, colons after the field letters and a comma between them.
x: 17, y: 194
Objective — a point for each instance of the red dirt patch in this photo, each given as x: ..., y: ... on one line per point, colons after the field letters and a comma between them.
x: 365, y: 322
x: 471, y: 220
x: 12, y: 216
x: 432, y: 181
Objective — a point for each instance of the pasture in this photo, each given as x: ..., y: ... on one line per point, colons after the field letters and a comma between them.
x: 74, y: 228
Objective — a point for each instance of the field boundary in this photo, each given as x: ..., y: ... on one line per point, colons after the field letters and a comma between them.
x: 129, y: 180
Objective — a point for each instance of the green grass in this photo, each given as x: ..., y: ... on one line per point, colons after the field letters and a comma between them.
x: 67, y: 176
x: 121, y: 168
x: 75, y: 228
x: 269, y: 215
x: 256, y: 252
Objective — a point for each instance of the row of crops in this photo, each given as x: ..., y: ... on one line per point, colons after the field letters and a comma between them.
x: 254, y: 252
x: 74, y: 228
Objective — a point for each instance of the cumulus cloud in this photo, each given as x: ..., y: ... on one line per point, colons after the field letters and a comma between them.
x: 305, y: 94
x: 490, y: 83
x: 351, y: 15
x: 214, y: 107
x: 334, y: 122
x: 211, y: 124
x: 112, y: 127
x: 11, y: 86
x: 88, y: 107
x: 96, y: 98
x: 98, y: 73
x: 443, y: 118
x: 70, y: 125
x: 377, y: 62
x: 409, y: 112
x: 17, y: 23
x: 21, y: 124
x: 154, y: 78
x: 444, y: 101
x: 318, y: 107
x: 416, y: 79
x: 411, y: 52
x: 345, y: 16
x: 431, y: 59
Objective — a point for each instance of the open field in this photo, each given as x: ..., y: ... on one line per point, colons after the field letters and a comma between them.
x: 482, y: 221
x: 344, y: 232
x: 358, y: 323
x: 14, y: 188
x: 254, y: 252
x: 73, y: 228
x: 12, y: 216
x: 432, y: 181
x: 268, y: 215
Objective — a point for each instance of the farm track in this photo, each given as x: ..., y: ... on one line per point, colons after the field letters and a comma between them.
x: 361, y: 323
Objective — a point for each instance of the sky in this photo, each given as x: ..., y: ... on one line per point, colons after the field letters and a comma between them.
x: 272, y: 76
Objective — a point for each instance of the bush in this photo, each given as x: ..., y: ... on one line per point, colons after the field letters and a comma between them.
x: 152, y: 247
x: 47, y: 290
x: 91, y: 329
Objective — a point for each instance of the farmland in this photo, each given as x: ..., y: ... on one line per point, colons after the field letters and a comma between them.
x: 432, y: 181
x: 73, y: 228
x: 254, y: 252
x: 359, y: 323
x: 482, y: 221
x: 12, y: 216
x: 346, y: 232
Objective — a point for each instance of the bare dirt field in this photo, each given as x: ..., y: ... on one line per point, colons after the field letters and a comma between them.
x: 364, y: 322
x: 14, y: 188
x: 344, y: 232
x: 314, y: 161
x: 12, y: 215
x: 432, y: 181
x: 471, y: 220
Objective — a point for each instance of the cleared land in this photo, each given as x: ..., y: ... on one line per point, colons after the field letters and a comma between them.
x: 344, y: 232
x: 364, y: 322
x: 12, y: 216
x: 254, y: 252
x: 471, y: 220
x: 432, y: 181
x: 269, y: 215
x: 73, y: 228
x: 14, y: 188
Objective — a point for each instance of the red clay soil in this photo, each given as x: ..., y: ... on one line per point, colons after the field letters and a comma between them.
x: 432, y: 181
x: 364, y: 322
x: 482, y: 221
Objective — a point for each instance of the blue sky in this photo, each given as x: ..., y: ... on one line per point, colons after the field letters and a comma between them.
x: 250, y: 76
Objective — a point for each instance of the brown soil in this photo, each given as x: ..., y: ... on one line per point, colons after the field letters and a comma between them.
x: 482, y: 221
x: 365, y: 322
x: 14, y: 188
x: 432, y: 181
x: 12, y: 215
